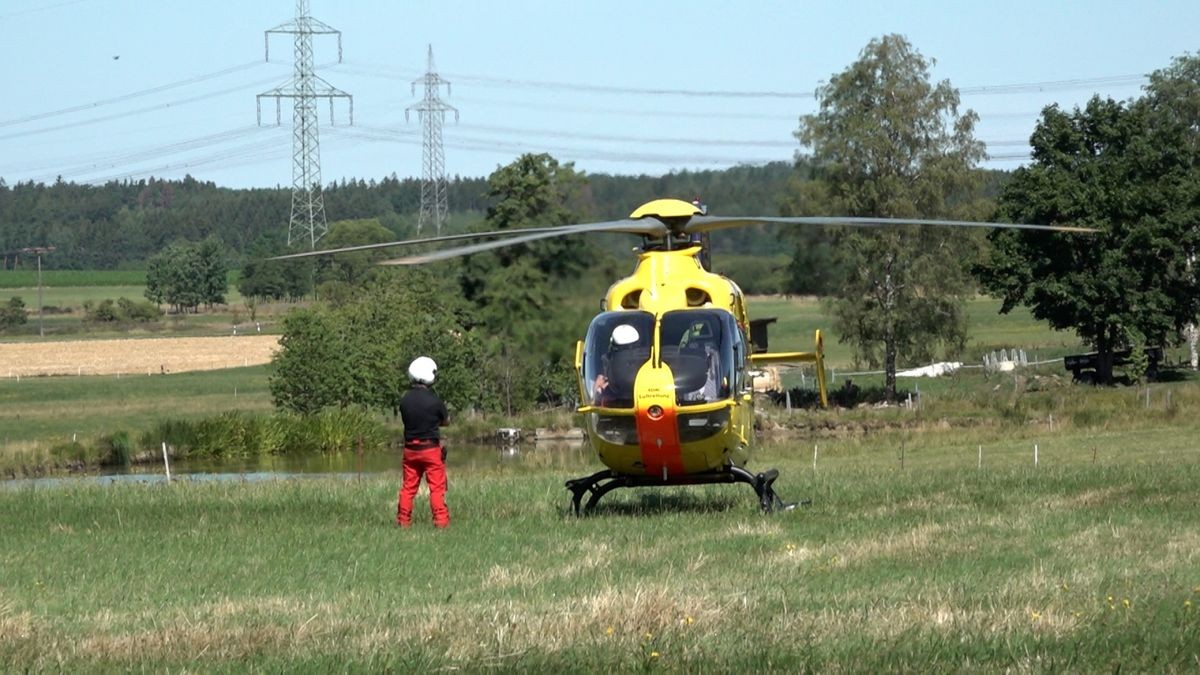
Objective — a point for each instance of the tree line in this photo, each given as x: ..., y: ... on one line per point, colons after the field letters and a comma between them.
x: 122, y: 224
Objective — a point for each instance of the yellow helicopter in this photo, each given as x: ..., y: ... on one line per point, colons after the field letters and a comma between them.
x: 665, y: 371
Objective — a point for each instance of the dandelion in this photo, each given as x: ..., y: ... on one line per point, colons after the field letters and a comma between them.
x: 654, y: 655
x: 648, y: 635
x: 687, y: 620
x: 609, y: 631
x: 1035, y: 616
x: 1126, y: 603
x: 1077, y: 614
x: 791, y: 547
x: 1187, y: 604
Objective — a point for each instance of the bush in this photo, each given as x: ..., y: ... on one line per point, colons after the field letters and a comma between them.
x: 13, y: 313
x: 121, y: 311
x: 116, y: 449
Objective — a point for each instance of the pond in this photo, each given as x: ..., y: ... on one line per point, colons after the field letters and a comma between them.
x: 573, y: 458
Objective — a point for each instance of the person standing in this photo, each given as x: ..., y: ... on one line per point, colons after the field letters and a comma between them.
x: 423, y: 412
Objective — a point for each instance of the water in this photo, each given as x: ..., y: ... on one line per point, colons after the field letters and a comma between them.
x: 573, y: 459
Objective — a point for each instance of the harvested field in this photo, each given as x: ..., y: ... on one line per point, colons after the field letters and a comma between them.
x: 134, y: 356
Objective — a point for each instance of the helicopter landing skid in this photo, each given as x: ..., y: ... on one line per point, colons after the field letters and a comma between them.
x: 603, y: 482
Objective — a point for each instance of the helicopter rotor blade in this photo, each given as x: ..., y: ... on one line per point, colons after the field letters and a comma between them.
x: 648, y: 227
x: 710, y: 223
x: 412, y: 242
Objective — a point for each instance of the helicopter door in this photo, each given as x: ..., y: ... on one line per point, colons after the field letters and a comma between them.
x: 616, y: 346
x: 699, y: 347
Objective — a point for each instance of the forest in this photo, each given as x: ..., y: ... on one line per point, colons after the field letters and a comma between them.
x: 119, y: 225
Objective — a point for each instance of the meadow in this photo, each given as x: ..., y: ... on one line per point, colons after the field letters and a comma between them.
x: 1003, y: 522
x: 64, y: 293
x: 36, y: 413
x: 1083, y: 563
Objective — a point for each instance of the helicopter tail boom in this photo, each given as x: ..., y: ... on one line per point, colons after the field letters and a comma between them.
x: 815, y: 357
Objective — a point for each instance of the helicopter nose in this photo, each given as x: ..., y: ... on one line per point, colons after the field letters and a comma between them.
x: 657, y: 427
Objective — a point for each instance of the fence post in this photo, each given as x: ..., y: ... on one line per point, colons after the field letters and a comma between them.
x: 980, y: 466
x: 1035, y: 454
x: 166, y: 462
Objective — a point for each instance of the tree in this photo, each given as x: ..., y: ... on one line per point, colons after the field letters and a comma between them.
x: 186, y: 275
x: 888, y: 143
x: 519, y: 291
x: 338, y: 276
x: 13, y: 314
x: 1131, y: 170
x: 357, y: 354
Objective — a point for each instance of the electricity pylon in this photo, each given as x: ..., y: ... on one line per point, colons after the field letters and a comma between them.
x: 308, y: 203
x: 435, y: 206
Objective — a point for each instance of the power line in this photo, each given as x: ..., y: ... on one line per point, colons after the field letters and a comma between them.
x: 45, y: 8
x: 152, y: 152
x: 131, y: 95
x: 137, y: 111
x: 992, y: 89
x: 257, y: 152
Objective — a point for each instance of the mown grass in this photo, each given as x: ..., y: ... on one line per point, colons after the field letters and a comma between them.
x: 1071, y: 566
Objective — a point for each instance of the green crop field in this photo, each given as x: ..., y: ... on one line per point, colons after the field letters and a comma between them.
x: 28, y: 278
x: 69, y: 289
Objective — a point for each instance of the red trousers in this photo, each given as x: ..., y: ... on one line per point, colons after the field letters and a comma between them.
x: 427, y: 463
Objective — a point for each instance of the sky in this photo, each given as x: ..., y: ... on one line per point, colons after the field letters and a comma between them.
x: 96, y: 90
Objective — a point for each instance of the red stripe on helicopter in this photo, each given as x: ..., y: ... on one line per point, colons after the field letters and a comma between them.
x: 658, y: 436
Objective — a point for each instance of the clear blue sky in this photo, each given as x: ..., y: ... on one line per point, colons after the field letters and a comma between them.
x: 569, y: 78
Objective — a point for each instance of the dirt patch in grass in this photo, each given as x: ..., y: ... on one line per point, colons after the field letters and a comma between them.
x: 135, y: 356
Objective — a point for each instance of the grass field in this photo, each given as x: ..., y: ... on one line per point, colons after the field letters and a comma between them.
x: 933, y: 543
x: 47, y: 410
x: 987, y: 330
x: 1074, y: 566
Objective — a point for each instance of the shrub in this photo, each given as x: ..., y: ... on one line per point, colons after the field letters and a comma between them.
x: 116, y: 449
x: 237, y: 434
x: 123, y: 310
x: 13, y: 313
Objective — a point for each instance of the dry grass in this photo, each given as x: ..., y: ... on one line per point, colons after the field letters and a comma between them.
x: 146, y: 355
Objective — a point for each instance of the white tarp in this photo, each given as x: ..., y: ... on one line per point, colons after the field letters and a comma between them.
x: 932, y: 370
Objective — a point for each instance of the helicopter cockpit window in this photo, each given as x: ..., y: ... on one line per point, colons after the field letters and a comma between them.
x: 617, y: 345
x: 699, y: 347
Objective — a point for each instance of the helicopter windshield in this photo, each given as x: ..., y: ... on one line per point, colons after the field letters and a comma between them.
x: 700, y: 346
x: 617, y: 345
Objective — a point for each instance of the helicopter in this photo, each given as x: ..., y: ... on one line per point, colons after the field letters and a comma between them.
x: 665, y: 370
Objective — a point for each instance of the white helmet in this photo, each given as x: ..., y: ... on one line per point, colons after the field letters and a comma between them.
x: 422, y: 370
x: 624, y: 334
